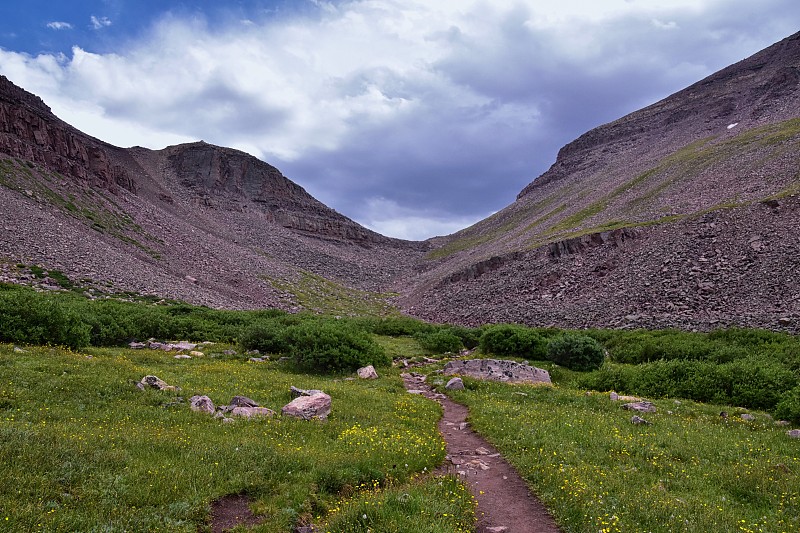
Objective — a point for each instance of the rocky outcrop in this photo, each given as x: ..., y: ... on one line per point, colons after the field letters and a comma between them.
x: 29, y: 131
x: 307, y: 407
x: 497, y: 370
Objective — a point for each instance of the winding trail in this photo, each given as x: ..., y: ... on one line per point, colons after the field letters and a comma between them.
x: 505, y: 505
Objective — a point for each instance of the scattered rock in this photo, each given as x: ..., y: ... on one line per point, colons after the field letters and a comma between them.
x: 305, y: 529
x: 794, y: 433
x: 229, y: 352
x: 195, y: 353
x: 257, y: 360
x: 415, y: 391
x: 252, y: 412
x: 748, y: 417
x: 296, y: 393
x: 182, y: 356
x: 155, y: 382
x: 455, y: 384
x: 482, y: 451
x: 497, y: 370
x: 642, y: 407
x: 201, y: 404
x: 307, y: 407
x: 243, y: 401
x: 621, y: 398
x: 638, y: 420
x: 17, y: 349
x: 184, y: 345
x: 367, y: 372
x: 137, y: 345
x: 782, y: 423
x: 497, y: 529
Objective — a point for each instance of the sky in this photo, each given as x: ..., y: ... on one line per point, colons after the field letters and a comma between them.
x: 414, y: 118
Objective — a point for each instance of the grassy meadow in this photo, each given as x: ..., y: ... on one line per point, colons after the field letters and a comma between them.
x: 82, y: 449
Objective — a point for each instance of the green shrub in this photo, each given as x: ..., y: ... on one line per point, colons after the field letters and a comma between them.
x: 470, y: 337
x: 576, y: 352
x: 396, y: 326
x: 788, y: 407
x: 439, y: 341
x: 507, y: 340
x: 266, y: 336
x: 328, y: 346
x: 30, y: 318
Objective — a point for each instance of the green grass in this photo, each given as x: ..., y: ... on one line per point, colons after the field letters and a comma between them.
x: 317, y: 294
x: 83, y: 450
x: 689, y: 471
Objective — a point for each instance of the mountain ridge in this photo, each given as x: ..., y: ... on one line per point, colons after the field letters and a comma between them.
x: 680, y: 214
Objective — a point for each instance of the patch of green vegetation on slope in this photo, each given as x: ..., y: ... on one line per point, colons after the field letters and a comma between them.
x: 91, y: 208
x: 320, y: 295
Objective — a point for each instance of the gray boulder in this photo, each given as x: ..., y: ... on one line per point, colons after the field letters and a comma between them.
x: 794, y: 433
x: 296, y: 393
x: 642, y: 407
x: 252, y: 412
x: 307, y: 407
x: 202, y: 404
x: 242, y: 401
x: 497, y: 370
x: 455, y: 384
x: 154, y: 382
x: 367, y: 372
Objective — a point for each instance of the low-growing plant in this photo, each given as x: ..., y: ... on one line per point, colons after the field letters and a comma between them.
x: 32, y: 318
x: 328, y: 346
x: 508, y: 340
x: 788, y: 407
x: 439, y: 341
x: 576, y: 352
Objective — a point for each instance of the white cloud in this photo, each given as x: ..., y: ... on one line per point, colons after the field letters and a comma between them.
x: 446, y: 107
x: 389, y: 218
x: 58, y: 25
x: 99, y: 22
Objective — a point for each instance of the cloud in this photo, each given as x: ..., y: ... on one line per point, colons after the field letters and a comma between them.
x: 436, y: 113
x: 57, y: 25
x: 99, y: 22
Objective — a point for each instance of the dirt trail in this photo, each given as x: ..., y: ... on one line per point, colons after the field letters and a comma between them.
x: 505, y: 505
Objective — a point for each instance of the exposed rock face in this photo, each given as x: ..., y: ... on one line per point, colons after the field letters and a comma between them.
x: 497, y: 370
x: 307, y: 407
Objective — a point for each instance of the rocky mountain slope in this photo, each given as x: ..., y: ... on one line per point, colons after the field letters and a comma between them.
x: 681, y: 214
x: 194, y: 222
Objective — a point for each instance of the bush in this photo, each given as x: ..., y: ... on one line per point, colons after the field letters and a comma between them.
x: 470, y: 337
x: 439, y: 341
x: 30, y: 318
x: 788, y: 407
x: 266, y: 336
x: 327, y: 346
x: 576, y: 352
x: 507, y: 340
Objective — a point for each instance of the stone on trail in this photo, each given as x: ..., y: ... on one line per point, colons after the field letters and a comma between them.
x: 497, y: 370
x: 367, y: 372
x: 307, y: 407
x: 201, y: 404
x: 455, y: 384
x: 497, y: 529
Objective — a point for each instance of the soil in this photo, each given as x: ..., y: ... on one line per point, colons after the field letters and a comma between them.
x: 504, y: 500
x: 231, y: 511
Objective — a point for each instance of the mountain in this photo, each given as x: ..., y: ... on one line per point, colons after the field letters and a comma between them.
x: 194, y: 222
x: 683, y: 214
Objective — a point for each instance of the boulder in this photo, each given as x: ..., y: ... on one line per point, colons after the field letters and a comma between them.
x: 455, y: 384
x: 136, y: 345
x: 621, y: 398
x: 154, y: 382
x: 201, y: 404
x: 638, y: 421
x: 296, y: 393
x: 182, y: 356
x: 642, y: 407
x: 184, y: 345
x: 195, y: 353
x: 497, y: 370
x: 794, y: 433
x: 242, y: 401
x: 307, y: 407
x: 748, y: 417
x: 251, y: 412
x: 367, y: 372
